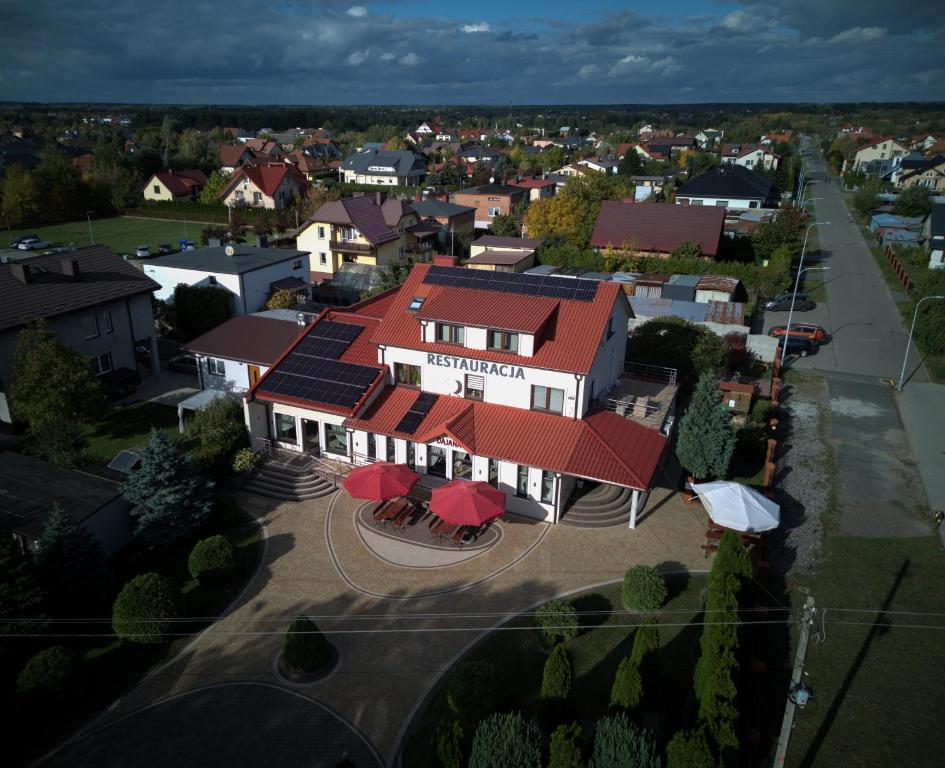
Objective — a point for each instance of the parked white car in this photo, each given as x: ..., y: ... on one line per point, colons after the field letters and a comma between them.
x: 33, y: 244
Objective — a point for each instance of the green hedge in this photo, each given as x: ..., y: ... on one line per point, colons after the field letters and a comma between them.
x: 566, y: 747
x: 50, y: 674
x: 628, y: 685
x: 212, y: 560
x: 556, y: 680
x: 557, y: 621
x: 506, y: 741
x: 644, y: 588
x: 305, y: 648
x: 182, y: 211
x: 449, y: 743
x: 145, y: 608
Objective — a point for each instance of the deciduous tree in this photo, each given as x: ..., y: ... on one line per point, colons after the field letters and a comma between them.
x: 21, y: 197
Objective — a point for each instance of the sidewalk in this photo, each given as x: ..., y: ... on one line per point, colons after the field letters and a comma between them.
x: 922, y: 409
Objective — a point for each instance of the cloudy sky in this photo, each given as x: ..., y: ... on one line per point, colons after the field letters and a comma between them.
x: 523, y: 51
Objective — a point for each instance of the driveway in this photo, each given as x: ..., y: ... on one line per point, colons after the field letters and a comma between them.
x: 866, y: 330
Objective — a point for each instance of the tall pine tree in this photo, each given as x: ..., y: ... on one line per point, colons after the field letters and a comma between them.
x: 706, y: 436
x: 172, y: 498
x: 20, y: 595
x: 70, y: 565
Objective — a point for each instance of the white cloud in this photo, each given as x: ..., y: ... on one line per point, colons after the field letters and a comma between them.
x: 634, y: 64
x: 388, y: 56
x: 358, y: 11
x: 481, y: 26
x: 859, y: 35
x: 410, y: 60
x: 357, y: 58
x: 587, y: 70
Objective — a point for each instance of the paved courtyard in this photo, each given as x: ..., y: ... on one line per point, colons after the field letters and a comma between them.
x: 397, y: 628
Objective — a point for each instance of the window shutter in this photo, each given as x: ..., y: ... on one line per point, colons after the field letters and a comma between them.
x: 475, y: 382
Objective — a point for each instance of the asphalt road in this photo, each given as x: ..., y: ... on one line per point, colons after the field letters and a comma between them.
x: 866, y: 330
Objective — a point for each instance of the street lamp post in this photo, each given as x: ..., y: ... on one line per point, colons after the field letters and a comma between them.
x: 88, y: 218
x: 905, y: 357
x: 797, y: 282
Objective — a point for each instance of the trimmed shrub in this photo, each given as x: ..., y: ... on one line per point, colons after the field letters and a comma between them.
x: 644, y: 588
x: 305, y: 647
x: 449, y: 743
x: 144, y: 608
x: 761, y: 411
x: 618, y: 743
x: 557, y: 622
x: 506, y: 741
x: 474, y: 691
x: 50, y: 674
x: 628, y: 685
x: 556, y: 680
x: 645, y: 641
x: 689, y: 750
x: 566, y: 745
x: 245, y: 461
x: 212, y: 560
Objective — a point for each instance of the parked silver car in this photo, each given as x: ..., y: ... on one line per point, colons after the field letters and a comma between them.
x: 33, y: 244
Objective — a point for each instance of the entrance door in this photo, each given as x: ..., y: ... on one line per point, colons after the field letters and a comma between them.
x: 253, y: 374
x: 310, y: 437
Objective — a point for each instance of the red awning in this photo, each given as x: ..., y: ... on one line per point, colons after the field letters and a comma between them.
x: 380, y: 481
x: 467, y: 503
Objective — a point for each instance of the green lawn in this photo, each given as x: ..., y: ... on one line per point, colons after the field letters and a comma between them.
x: 120, y: 234
x: 128, y: 427
x: 595, y: 655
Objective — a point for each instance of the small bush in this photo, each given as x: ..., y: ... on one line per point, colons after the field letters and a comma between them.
x: 628, y: 685
x: 565, y: 749
x: 245, y: 461
x: 304, y: 647
x: 144, y: 608
x: 557, y: 622
x: 449, y: 743
x: 761, y: 411
x: 474, y: 691
x: 644, y: 588
x: 618, y: 743
x: 50, y: 674
x: 212, y: 560
x: 689, y: 750
x: 506, y: 741
x: 645, y: 641
x: 556, y: 679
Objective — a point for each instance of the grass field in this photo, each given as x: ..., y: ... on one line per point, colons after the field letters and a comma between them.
x: 128, y: 427
x: 120, y: 234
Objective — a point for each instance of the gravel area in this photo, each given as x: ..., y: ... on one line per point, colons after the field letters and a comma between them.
x: 803, y: 479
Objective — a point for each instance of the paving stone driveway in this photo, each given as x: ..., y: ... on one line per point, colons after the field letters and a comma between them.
x: 383, y: 676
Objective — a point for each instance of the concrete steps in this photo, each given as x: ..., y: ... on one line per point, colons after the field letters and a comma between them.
x: 601, y: 507
x: 277, y: 479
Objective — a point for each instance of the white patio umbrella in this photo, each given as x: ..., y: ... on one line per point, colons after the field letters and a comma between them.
x: 736, y: 506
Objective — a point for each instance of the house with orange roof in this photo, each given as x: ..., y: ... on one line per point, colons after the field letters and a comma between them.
x: 273, y: 185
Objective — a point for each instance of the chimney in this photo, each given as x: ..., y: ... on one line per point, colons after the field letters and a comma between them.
x: 21, y: 272
x: 70, y: 268
x: 379, y: 197
x: 261, y: 241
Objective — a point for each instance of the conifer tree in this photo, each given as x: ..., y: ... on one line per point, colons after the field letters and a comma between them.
x: 20, y: 595
x: 706, y: 436
x: 70, y: 564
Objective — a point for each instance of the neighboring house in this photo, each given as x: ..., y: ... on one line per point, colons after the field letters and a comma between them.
x: 657, y: 228
x: 266, y: 149
x: 489, y: 200
x: 882, y: 149
x: 601, y: 164
x: 708, y: 137
x: 503, y: 254
x: 720, y: 317
x: 273, y: 185
x: 934, y: 231
x: 367, y: 230
x: 784, y: 137
x: 30, y: 487
x: 484, y: 155
x: 538, y: 189
x: 310, y: 167
x: 175, y: 185
x: 930, y: 174
x: 731, y: 186
x: 449, y: 215
x: 397, y: 167
x: 247, y: 272
x: 95, y: 302
x: 232, y: 357
x: 424, y: 130
x: 749, y: 156
x: 232, y: 156
x: 646, y: 186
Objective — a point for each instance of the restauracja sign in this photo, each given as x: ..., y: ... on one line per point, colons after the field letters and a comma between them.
x: 476, y: 366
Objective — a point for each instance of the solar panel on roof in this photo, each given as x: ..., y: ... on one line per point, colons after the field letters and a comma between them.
x: 513, y: 282
x: 417, y: 412
x: 329, y: 329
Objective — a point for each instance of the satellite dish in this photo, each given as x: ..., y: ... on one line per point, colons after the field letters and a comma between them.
x: 492, y: 179
x: 229, y: 250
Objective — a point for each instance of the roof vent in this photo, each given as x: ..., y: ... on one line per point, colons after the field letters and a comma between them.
x: 70, y: 267
x: 21, y: 272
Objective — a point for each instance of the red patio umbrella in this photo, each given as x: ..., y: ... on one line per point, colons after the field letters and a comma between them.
x: 467, y: 503
x: 380, y: 481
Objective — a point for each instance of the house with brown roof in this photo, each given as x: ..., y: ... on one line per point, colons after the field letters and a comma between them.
x: 272, y: 185
x: 489, y: 200
x: 370, y: 230
x: 503, y: 254
x: 232, y: 156
x: 94, y: 301
x: 175, y: 185
x: 538, y: 189
x: 657, y: 228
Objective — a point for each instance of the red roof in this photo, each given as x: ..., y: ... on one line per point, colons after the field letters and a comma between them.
x: 230, y: 154
x: 182, y: 182
x: 487, y: 309
x: 601, y: 446
x: 570, y: 341
x: 880, y: 140
x: 533, y: 183
x: 266, y: 178
x: 658, y: 226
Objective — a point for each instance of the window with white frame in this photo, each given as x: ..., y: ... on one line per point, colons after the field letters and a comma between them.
x: 521, y: 481
x: 548, y: 487
x: 321, y: 233
x: 494, y: 211
x: 90, y: 326
x: 216, y: 366
x: 103, y: 363
x: 107, y: 321
x: 323, y: 258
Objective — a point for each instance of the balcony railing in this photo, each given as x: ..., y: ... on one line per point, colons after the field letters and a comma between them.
x: 346, y: 246
x: 651, y: 372
x: 419, y: 248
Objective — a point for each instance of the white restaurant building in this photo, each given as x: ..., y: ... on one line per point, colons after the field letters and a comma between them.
x: 507, y: 378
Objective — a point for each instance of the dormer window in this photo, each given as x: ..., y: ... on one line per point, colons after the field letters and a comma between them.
x: 415, y: 303
x: 503, y: 341
x: 450, y: 334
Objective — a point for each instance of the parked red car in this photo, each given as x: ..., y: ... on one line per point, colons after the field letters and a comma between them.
x: 807, y: 331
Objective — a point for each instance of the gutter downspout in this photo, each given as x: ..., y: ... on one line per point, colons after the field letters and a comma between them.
x: 578, y: 377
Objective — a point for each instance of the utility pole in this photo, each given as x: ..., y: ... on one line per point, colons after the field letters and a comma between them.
x: 787, y: 724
